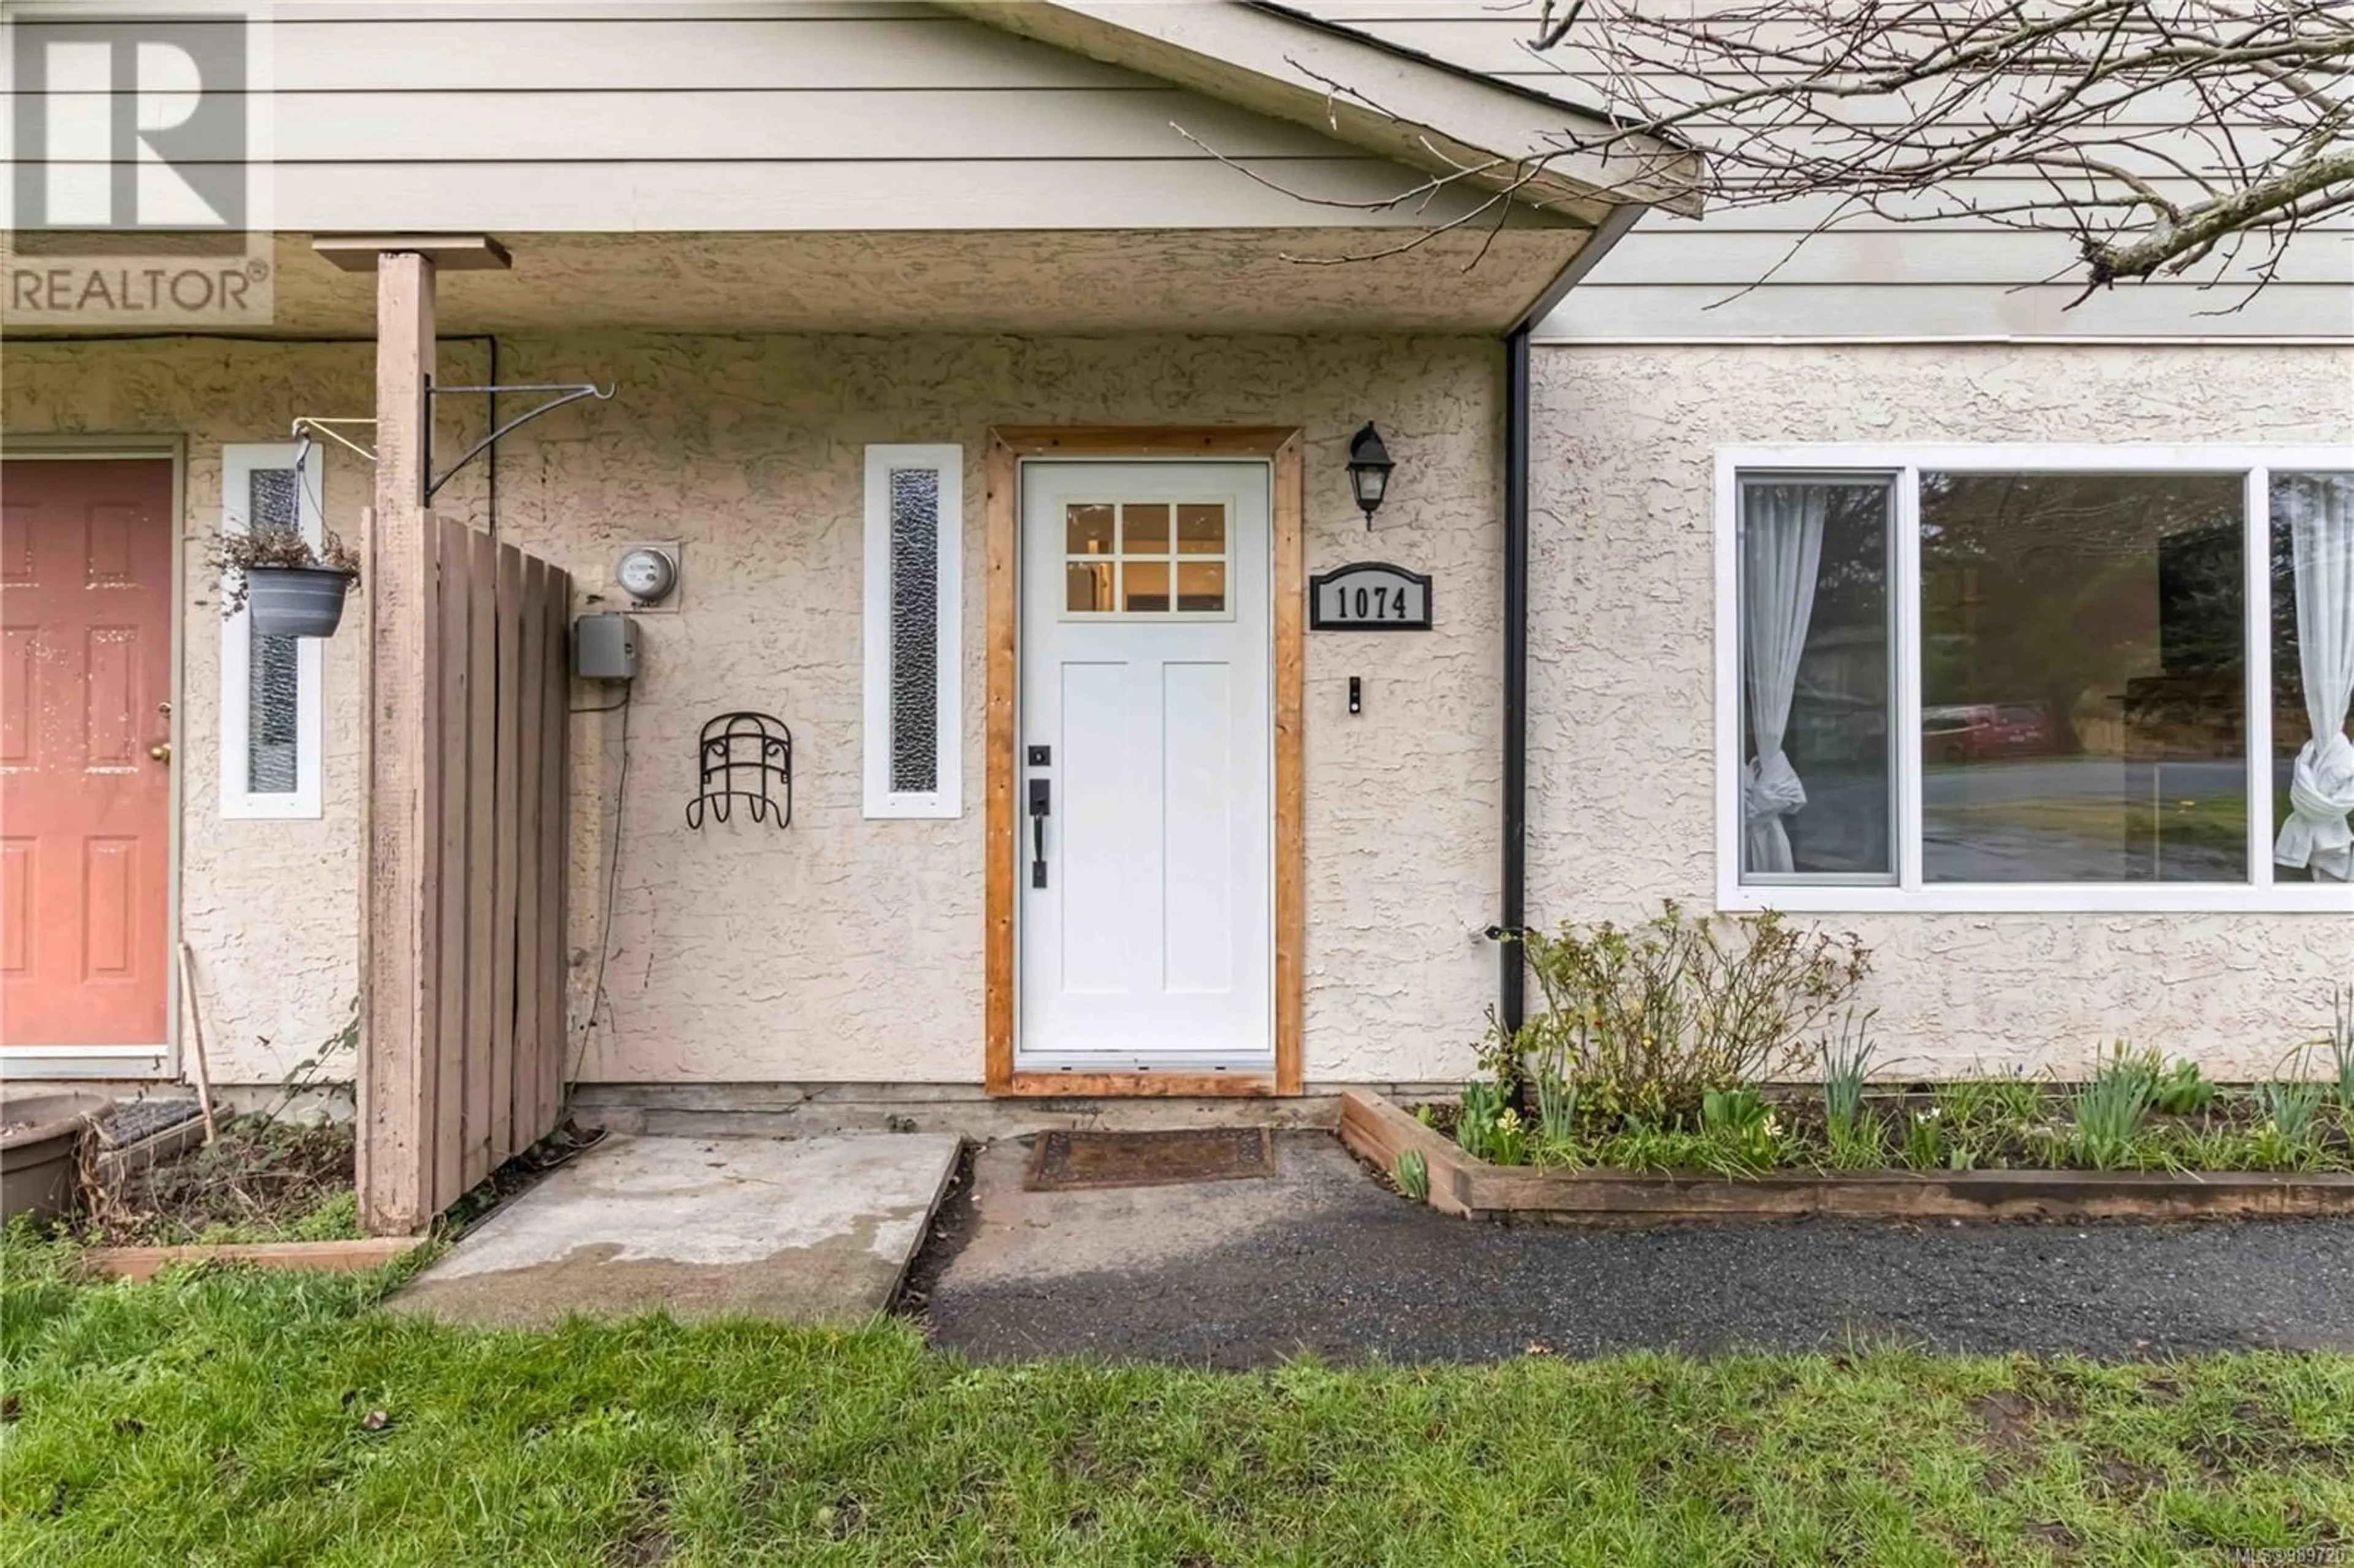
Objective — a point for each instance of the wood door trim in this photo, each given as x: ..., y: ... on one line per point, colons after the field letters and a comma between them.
x: 1002, y: 511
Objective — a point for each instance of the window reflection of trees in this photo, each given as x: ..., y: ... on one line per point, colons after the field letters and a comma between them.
x: 2083, y: 670
x: 2060, y: 590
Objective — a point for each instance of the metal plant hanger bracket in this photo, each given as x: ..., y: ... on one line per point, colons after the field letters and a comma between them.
x: 309, y: 424
x: 560, y: 393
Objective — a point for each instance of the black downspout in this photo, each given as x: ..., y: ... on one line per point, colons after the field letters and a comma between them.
x: 1510, y: 980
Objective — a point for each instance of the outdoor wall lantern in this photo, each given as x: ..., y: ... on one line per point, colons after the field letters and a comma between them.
x: 1369, y: 469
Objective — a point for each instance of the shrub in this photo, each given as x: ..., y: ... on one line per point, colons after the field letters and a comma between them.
x: 2109, y: 1110
x: 1413, y: 1175
x: 2292, y: 1104
x: 1474, y: 1118
x: 1647, y: 1020
x: 1488, y: 1128
x: 2183, y: 1090
x: 1737, y: 1122
x: 1556, y: 1104
x: 1924, y: 1141
x: 1843, y: 1061
x: 2340, y: 1041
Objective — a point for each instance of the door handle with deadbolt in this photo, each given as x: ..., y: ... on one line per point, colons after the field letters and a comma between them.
x: 1042, y: 805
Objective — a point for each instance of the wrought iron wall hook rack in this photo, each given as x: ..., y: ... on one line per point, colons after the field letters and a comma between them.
x: 737, y: 758
x: 562, y: 392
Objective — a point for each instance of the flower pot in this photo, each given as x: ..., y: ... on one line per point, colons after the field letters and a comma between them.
x: 295, y: 601
x: 39, y: 1139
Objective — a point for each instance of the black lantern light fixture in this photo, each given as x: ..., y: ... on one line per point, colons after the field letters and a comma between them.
x: 1369, y: 469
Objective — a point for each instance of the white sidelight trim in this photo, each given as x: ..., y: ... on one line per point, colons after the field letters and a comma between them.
x: 889, y: 796
x: 1910, y: 892
x: 240, y: 463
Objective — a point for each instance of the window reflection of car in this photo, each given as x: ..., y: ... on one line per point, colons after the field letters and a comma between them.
x: 1976, y: 731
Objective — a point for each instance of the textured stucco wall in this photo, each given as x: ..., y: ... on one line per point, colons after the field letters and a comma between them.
x: 849, y: 950
x: 845, y: 949
x: 271, y: 909
x: 1622, y: 692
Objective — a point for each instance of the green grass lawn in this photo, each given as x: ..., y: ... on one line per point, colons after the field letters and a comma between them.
x: 233, y: 1417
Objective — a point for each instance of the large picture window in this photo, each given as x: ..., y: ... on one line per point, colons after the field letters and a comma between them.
x: 1991, y: 678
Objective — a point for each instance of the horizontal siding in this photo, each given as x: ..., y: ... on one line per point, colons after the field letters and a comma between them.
x: 694, y: 117
x: 950, y: 124
x: 918, y: 194
x: 1912, y: 213
x: 1637, y: 312
x: 556, y: 53
x: 1950, y: 276
x: 1668, y: 251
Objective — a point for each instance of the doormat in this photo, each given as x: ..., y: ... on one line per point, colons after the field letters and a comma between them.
x: 1067, y: 1161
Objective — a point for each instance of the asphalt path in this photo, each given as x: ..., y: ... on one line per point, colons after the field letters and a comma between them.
x: 1324, y: 1259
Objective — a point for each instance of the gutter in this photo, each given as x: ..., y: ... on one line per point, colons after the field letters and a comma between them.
x: 1511, y: 977
x: 1511, y: 968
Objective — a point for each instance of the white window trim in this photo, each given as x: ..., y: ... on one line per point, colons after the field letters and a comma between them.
x: 238, y: 465
x: 1911, y: 893
x: 881, y: 801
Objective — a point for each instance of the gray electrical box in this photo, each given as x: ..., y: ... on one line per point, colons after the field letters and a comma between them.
x: 605, y: 647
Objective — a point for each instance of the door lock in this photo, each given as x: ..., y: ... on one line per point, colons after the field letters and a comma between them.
x: 161, y: 751
x: 1042, y: 805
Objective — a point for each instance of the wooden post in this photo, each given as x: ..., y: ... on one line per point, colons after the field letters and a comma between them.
x: 400, y: 794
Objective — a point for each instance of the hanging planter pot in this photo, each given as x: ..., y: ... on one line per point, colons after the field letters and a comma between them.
x: 291, y: 587
x: 296, y: 601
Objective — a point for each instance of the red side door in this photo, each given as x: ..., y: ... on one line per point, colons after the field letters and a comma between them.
x: 85, y: 772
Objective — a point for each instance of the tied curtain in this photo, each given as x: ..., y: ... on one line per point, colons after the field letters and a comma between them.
x: 2319, y: 509
x: 1781, y: 549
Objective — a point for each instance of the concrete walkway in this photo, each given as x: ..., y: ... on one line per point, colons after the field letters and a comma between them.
x: 1321, y: 1258
x: 816, y: 1230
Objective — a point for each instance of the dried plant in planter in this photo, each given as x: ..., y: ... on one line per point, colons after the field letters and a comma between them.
x: 1646, y: 1021
x: 235, y: 557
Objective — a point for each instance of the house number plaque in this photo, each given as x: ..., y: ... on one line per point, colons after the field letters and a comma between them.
x: 1369, y: 595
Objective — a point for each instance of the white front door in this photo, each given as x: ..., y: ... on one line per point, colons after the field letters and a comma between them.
x: 1144, y: 744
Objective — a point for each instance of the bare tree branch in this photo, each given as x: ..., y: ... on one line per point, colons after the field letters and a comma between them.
x: 2154, y: 135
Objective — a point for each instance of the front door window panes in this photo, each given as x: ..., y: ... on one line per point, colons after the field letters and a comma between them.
x: 1144, y: 559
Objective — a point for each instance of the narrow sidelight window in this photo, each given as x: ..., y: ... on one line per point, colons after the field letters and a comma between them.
x: 913, y: 579
x: 270, y: 700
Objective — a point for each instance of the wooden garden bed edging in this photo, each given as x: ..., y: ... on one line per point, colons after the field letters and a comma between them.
x: 325, y: 1256
x: 1377, y: 1130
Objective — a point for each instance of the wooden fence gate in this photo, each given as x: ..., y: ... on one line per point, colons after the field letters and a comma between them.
x: 490, y: 958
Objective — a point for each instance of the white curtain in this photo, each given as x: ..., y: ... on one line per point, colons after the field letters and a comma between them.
x: 1781, y: 549
x: 2320, y: 513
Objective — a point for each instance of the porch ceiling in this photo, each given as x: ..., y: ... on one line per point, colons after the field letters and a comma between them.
x: 1067, y: 282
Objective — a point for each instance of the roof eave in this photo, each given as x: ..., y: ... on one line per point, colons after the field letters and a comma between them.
x: 1425, y: 114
